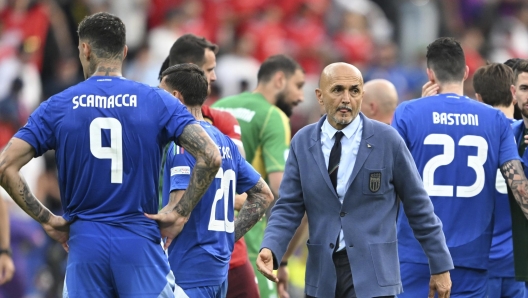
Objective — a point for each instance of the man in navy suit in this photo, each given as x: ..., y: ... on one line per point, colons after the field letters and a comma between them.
x: 348, y: 173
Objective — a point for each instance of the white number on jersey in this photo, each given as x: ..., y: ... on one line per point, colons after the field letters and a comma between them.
x: 500, y: 183
x: 115, y: 151
x: 474, y: 162
x: 227, y: 179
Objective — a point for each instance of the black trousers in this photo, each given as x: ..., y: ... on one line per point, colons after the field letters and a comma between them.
x: 345, y: 283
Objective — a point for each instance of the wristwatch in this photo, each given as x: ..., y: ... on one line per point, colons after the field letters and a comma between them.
x: 6, y: 251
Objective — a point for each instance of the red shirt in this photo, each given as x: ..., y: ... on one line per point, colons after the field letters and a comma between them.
x: 228, y: 125
x: 33, y: 26
x: 224, y: 121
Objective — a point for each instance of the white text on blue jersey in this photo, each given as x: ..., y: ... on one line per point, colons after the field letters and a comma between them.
x: 96, y: 101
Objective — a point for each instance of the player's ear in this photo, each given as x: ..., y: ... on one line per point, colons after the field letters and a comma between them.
x: 319, y: 95
x: 373, y: 108
x: 86, y: 50
x: 125, y: 52
x: 431, y: 75
x: 279, y: 80
x: 466, y: 73
x: 178, y: 95
x: 513, y: 91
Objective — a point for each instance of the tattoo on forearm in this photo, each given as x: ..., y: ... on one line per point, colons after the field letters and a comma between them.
x: 194, y: 139
x: 253, y: 209
x: 33, y: 205
x: 515, y: 178
x: 25, y: 199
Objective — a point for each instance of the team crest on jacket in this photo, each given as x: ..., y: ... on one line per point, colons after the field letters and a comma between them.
x: 375, y: 181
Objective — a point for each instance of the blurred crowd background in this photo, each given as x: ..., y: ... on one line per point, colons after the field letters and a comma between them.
x: 384, y: 38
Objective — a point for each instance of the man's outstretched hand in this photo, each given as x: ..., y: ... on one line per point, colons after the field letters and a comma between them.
x: 265, y: 264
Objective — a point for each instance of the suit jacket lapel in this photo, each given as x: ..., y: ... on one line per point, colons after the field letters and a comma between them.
x: 365, y: 148
x: 317, y: 152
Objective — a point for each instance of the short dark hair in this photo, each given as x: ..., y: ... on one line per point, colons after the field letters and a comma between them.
x: 190, y: 48
x: 189, y: 80
x: 446, y: 58
x: 520, y: 67
x: 277, y: 63
x: 513, y: 62
x: 105, y: 33
x: 163, y: 67
x: 493, y: 83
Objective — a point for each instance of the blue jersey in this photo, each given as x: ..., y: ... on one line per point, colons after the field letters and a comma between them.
x: 501, y: 252
x: 200, y: 255
x: 108, y: 133
x: 457, y: 144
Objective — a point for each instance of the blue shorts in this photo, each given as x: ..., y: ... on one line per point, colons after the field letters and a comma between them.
x: 109, y: 261
x: 208, y: 292
x: 467, y: 282
x: 505, y: 287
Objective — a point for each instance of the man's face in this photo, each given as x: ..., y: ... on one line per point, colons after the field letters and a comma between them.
x: 292, y: 94
x: 209, y: 68
x: 521, y: 93
x: 341, y: 94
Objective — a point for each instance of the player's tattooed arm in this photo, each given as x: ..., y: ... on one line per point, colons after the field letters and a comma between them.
x: 195, y: 140
x: 513, y: 173
x: 259, y: 197
x: 15, y: 155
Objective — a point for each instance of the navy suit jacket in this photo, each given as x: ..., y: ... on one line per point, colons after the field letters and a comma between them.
x: 384, y: 170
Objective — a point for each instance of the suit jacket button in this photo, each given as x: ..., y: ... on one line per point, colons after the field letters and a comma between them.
x: 332, y: 246
x: 342, y: 214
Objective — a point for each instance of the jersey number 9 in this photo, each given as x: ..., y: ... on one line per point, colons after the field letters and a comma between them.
x: 115, y: 151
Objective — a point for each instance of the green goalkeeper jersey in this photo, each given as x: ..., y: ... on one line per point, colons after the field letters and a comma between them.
x: 266, y: 132
x: 266, y: 136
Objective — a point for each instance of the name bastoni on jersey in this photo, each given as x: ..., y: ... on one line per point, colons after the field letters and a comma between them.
x: 96, y: 101
x: 455, y: 119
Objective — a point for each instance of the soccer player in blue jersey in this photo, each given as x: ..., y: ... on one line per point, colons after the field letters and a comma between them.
x: 493, y: 85
x: 200, y: 256
x: 108, y: 133
x: 457, y: 144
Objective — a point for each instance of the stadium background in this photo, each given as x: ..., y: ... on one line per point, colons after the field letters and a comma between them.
x: 384, y: 38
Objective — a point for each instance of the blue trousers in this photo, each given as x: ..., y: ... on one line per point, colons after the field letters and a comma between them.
x: 467, y: 282
x: 208, y: 292
x: 108, y: 261
x: 505, y: 287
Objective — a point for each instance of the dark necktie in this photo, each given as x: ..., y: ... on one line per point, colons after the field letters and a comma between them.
x: 333, y: 161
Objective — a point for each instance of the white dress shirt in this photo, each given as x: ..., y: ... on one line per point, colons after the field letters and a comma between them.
x: 349, y: 149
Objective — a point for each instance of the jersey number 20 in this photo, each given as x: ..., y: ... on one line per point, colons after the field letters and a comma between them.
x: 226, y: 192
x: 115, y: 151
x: 474, y: 162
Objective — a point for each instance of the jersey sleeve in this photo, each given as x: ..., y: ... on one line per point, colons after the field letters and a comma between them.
x: 177, y: 117
x: 275, y: 137
x: 398, y: 122
x: 38, y: 131
x: 508, y: 148
x: 178, y: 167
x: 227, y: 124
